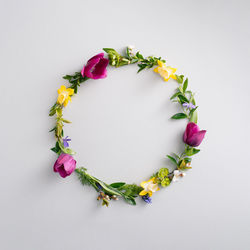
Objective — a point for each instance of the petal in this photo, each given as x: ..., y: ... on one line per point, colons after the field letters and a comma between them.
x: 191, y: 129
x: 89, y: 67
x: 160, y: 63
x: 98, y: 56
x: 70, y: 166
x: 62, y: 88
x: 150, y: 193
x: 82, y: 71
x: 174, y: 77
x: 143, y: 183
x: 196, y: 139
x: 70, y: 91
x: 156, y: 70
x: 62, y: 172
x: 100, y: 71
x: 143, y: 192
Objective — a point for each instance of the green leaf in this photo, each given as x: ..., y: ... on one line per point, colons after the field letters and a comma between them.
x: 191, y: 151
x: 130, y: 200
x: 175, y: 95
x: 179, y: 116
x: 117, y: 184
x: 108, y: 50
x: 138, y: 55
x: 179, y: 78
x: 66, y: 121
x: 183, y: 99
x: 172, y: 159
x: 52, y: 129
x: 185, y: 85
x: 194, y: 117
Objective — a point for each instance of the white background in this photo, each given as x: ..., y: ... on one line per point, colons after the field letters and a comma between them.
x: 121, y: 128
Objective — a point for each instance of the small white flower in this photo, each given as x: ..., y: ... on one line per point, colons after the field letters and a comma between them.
x: 131, y: 47
x: 177, y: 175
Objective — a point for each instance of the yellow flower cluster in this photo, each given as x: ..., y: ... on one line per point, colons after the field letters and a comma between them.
x: 149, y: 187
x: 64, y: 95
x: 166, y: 72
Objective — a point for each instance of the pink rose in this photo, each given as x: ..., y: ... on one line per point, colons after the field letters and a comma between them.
x: 193, y: 136
x: 96, y: 67
x: 65, y: 165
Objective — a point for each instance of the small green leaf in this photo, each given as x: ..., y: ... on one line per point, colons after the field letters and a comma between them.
x: 130, y: 200
x: 191, y: 151
x: 179, y: 116
x: 117, y: 184
x: 175, y: 95
x: 179, y: 78
x: 138, y: 55
x: 183, y: 99
x: 185, y: 85
x: 172, y: 159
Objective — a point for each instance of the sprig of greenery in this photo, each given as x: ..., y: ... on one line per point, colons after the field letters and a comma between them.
x: 182, y: 95
x: 127, y: 191
x: 75, y: 80
x: 117, y: 60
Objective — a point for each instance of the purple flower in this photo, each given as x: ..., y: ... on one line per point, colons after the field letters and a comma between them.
x: 65, y: 165
x: 65, y: 141
x: 96, y: 67
x: 193, y: 136
x: 188, y: 105
x: 147, y: 198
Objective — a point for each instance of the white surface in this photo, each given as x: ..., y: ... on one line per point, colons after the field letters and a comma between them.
x: 121, y: 128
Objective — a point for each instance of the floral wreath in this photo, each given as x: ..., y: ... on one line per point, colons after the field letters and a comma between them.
x: 96, y: 68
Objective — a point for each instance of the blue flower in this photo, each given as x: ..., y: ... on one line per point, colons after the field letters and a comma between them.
x: 188, y: 105
x: 65, y: 142
x: 147, y: 198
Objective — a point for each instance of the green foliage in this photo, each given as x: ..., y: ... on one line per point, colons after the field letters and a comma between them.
x: 189, y: 151
x: 179, y: 116
x: 75, y: 80
x: 173, y: 160
x: 117, y: 60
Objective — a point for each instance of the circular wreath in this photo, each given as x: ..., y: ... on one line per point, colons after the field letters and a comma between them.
x: 96, y: 68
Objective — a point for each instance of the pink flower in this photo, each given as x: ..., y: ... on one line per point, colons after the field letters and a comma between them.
x: 193, y: 136
x: 65, y: 165
x: 96, y: 67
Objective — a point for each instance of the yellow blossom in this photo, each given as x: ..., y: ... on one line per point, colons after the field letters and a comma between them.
x: 165, y: 71
x: 149, y: 186
x: 64, y: 95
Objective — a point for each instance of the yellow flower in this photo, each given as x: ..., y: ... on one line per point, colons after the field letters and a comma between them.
x: 165, y: 71
x: 149, y: 186
x: 64, y: 95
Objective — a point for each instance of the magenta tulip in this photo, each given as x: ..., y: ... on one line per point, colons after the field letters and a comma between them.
x: 96, y: 67
x: 193, y: 136
x: 65, y: 165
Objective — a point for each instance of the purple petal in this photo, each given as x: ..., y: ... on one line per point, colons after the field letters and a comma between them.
x: 196, y: 139
x: 190, y: 130
x: 98, y: 56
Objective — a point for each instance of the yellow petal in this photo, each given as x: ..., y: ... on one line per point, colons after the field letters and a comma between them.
x: 166, y: 79
x: 66, y: 102
x: 143, y: 192
x: 160, y: 63
x: 174, y: 77
x: 150, y: 193
x: 63, y: 88
x: 143, y: 183
x: 156, y: 70
x: 70, y: 91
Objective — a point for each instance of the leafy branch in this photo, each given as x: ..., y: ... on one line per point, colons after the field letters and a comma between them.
x: 186, y: 99
x: 112, y: 191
